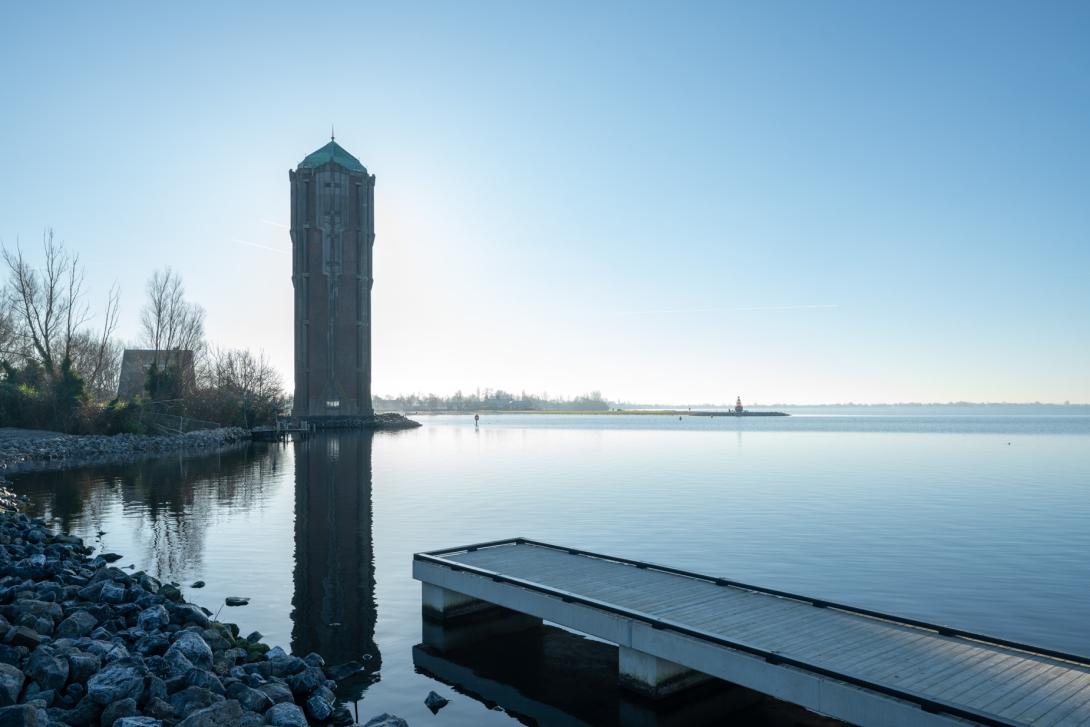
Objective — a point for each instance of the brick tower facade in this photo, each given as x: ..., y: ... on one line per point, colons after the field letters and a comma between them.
x: 332, y: 236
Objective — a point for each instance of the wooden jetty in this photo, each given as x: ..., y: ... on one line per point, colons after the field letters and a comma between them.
x: 282, y: 431
x: 673, y: 628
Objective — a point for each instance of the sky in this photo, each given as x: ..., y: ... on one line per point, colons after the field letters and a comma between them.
x: 798, y: 202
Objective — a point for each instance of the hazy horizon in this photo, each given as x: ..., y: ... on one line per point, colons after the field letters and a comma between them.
x: 1063, y: 405
x: 791, y: 202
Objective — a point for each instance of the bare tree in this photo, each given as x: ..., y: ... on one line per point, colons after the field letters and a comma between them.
x: 98, y: 365
x: 9, y: 345
x: 168, y: 321
x: 238, y: 388
x: 241, y: 372
x: 48, y: 310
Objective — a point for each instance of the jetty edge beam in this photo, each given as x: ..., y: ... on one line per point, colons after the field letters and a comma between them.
x: 822, y: 688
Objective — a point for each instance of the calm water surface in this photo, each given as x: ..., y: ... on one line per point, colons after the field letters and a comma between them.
x: 980, y: 522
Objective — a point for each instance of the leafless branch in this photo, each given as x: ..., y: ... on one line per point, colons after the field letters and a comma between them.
x: 168, y: 322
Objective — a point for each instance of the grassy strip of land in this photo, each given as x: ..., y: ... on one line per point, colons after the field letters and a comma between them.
x: 582, y: 412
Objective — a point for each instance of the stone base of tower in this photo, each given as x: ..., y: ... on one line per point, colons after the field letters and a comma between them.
x: 375, y: 422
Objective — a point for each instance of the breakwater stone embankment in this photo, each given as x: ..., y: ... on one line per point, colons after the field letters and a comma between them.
x: 22, y: 449
x: 85, y: 643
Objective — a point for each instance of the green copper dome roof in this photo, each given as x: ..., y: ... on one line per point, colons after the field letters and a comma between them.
x: 333, y: 152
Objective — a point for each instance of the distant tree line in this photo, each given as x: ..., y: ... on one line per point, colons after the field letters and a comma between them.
x: 59, y: 364
x: 492, y: 400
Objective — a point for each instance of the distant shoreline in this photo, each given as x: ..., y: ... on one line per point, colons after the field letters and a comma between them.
x: 793, y: 410
x: 600, y: 412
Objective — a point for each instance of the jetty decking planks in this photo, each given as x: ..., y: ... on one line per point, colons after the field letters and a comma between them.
x: 953, y: 676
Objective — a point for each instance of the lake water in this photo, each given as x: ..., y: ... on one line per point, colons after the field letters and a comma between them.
x: 979, y: 522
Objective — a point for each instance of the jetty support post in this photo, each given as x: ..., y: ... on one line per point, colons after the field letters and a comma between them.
x: 452, y: 620
x: 653, y: 677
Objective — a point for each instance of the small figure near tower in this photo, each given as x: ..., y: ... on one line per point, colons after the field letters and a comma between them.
x: 738, y: 405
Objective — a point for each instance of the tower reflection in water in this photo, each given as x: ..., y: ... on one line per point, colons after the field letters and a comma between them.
x: 334, y: 609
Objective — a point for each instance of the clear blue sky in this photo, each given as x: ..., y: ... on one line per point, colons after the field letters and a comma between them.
x: 798, y: 201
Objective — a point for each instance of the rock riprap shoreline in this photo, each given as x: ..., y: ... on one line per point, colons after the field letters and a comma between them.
x: 85, y: 643
x: 28, y: 450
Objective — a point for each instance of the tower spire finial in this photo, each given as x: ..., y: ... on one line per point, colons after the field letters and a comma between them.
x: 331, y: 136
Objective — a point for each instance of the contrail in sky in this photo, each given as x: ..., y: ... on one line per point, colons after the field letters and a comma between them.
x: 742, y: 309
x: 260, y: 246
x: 275, y: 224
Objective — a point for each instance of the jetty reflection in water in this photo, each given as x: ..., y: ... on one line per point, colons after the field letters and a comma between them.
x: 550, y: 676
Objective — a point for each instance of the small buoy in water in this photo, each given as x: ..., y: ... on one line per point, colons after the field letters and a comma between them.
x: 679, y: 419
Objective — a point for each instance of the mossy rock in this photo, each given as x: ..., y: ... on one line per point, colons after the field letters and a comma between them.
x: 170, y: 592
x: 254, y: 652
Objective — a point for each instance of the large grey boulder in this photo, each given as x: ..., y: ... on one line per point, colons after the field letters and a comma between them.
x: 306, y: 681
x: 123, y: 679
x: 206, y: 679
x: 192, y: 699
x: 283, y: 666
x: 86, y: 712
x: 153, y: 644
x: 48, y: 669
x: 25, y: 636
x: 193, y: 648
x: 188, y: 613
x: 139, y: 721
x: 386, y: 720
x: 286, y: 714
x: 153, y: 618
x: 251, y: 719
x: 177, y: 664
x: 249, y: 698
x: 11, y: 654
x: 158, y: 708
x: 277, y: 692
x: 45, y: 609
x: 36, y: 695
x: 118, y: 710
x: 319, y: 708
x: 24, y: 715
x: 78, y: 624
x: 82, y: 666
x: 11, y: 683
x: 117, y: 653
x: 112, y: 592
x: 224, y: 714
x: 39, y: 623
x: 215, y: 639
